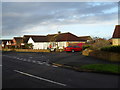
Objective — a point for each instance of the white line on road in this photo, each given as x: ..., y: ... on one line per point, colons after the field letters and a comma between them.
x: 20, y: 59
x: 24, y: 59
x: 40, y: 78
x: 47, y: 64
x: 39, y: 62
x: 29, y: 60
x: 54, y: 66
x: 34, y: 61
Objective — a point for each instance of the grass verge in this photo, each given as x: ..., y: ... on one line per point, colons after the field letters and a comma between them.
x: 110, y: 68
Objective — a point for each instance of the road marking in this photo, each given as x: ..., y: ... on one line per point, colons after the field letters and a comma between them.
x: 34, y: 61
x: 24, y: 59
x: 54, y: 66
x: 39, y: 62
x: 20, y: 59
x: 0, y: 65
x: 47, y: 64
x: 29, y: 60
x: 30, y: 75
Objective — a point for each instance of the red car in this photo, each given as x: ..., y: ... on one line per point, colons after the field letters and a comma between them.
x: 73, y: 48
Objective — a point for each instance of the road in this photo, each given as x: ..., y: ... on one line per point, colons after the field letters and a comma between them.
x: 0, y: 70
x: 32, y: 70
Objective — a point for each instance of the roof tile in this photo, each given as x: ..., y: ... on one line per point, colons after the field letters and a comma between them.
x: 116, y: 33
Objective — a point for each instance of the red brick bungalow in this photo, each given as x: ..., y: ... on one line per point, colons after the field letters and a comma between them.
x: 116, y: 36
x: 6, y: 43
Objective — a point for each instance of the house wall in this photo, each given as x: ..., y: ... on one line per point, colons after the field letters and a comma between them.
x: 73, y: 42
x: 2, y: 45
x: 40, y: 45
x: 116, y: 41
x: 14, y: 41
x: 45, y: 45
x: 31, y: 41
x: 61, y: 45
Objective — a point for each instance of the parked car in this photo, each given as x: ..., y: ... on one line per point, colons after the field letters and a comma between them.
x: 73, y: 48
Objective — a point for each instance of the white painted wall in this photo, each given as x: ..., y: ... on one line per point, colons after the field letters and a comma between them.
x: 38, y: 45
x: 62, y: 44
x: 3, y: 45
x: 30, y: 40
x: 44, y: 45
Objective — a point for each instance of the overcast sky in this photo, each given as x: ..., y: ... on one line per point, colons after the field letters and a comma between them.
x: 42, y: 18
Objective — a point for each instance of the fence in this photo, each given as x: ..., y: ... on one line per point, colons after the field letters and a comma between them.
x: 27, y: 50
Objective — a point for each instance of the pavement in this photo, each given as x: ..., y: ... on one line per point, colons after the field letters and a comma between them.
x: 34, y: 70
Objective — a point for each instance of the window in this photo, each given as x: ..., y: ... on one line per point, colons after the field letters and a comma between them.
x: 69, y: 46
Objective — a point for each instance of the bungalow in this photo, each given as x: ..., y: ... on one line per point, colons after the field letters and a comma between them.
x: 85, y: 39
x: 59, y: 40
x: 116, y: 36
x: 38, y: 42
x: 6, y: 43
x: 18, y: 42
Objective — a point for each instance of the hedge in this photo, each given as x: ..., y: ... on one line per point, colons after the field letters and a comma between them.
x: 111, y: 49
x: 86, y: 46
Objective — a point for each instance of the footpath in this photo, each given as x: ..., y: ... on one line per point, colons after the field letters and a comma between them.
x: 89, y: 64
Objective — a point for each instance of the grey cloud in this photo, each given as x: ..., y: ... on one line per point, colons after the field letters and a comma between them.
x: 21, y: 15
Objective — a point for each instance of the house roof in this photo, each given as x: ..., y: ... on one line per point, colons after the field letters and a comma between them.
x: 18, y: 39
x: 116, y: 33
x: 56, y: 37
x: 7, y: 40
x: 85, y: 38
x: 62, y: 37
x: 36, y: 38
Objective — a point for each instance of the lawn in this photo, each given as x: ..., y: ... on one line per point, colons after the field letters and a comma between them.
x: 110, y: 68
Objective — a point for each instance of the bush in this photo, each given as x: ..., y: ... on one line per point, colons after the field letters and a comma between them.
x: 12, y: 47
x: 99, y: 44
x: 85, y: 46
x: 28, y: 46
x: 111, y: 49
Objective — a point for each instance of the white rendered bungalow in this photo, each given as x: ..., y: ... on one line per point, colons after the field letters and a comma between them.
x: 38, y: 42
x: 59, y: 40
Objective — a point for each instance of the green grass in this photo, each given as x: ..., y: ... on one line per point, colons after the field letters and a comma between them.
x: 102, y: 68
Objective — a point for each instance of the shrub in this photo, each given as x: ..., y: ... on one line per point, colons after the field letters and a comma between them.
x: 86, y: 46
x: 12, y: 47
x: 99, y: 44
x: 28, y: 46
x: 111, y: 49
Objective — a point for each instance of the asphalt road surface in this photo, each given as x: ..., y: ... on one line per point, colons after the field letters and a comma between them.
x: 0, y: 70
x: 32, y: 70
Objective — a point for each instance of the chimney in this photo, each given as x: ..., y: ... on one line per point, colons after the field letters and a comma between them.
x: 59, y: 32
